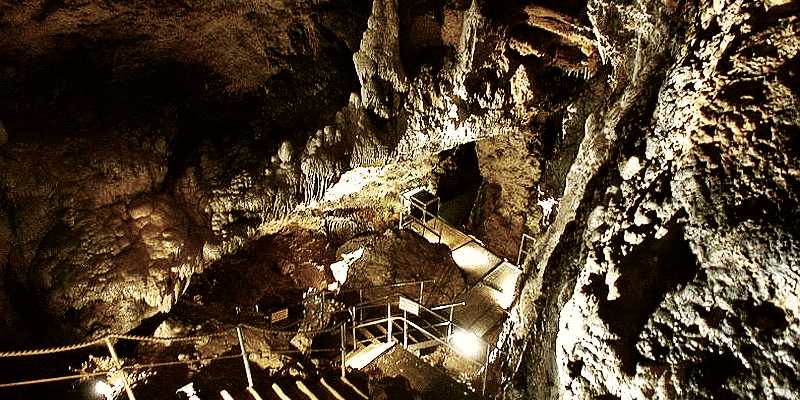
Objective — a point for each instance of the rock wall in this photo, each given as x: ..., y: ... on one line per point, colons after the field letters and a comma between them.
x: 650, y: 147
x: 670, y: 266
x: 195, y: 129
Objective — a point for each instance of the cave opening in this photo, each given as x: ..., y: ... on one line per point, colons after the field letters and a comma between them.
x: 458, y: 183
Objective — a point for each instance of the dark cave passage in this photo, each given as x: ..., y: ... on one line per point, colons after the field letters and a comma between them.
x: 458, y: 185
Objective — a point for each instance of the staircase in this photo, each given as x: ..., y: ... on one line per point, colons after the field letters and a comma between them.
x: 327, y: 387
x: 371, y: 341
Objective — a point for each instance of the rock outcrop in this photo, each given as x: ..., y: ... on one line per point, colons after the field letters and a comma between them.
x: 668, y: 269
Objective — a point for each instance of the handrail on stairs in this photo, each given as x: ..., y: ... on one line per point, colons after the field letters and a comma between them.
x: 389, y: 319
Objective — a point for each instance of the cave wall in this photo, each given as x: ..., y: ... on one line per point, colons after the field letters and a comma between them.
x: 650, y: 147
x: 146, y: 141
x: 670, y: 266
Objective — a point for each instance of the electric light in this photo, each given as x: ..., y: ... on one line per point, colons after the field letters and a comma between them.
x: 104, y: 389
x: 466, y: 343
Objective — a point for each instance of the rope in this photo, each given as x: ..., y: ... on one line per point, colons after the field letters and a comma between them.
x: 50, y: 380
x: 272, y: 331
x: 173, y: 363
x: 51, y: 350
x: 152, y: 339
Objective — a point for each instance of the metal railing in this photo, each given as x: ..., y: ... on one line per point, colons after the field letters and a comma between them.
x: 240, y: 331
x: 431, y: 329
x: 123, y: 371
x: 412, y: 205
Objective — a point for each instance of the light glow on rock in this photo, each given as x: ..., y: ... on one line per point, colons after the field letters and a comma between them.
x: 350, y: 183
x: 341, y: 268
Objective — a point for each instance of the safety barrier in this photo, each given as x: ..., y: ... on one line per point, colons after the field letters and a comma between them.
x: 240, y: 331
x: 429, y: 322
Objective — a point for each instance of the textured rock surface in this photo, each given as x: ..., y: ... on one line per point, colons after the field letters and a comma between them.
x: 403, y: 257
x: 188, y: 134
x: 378, y: 63
x: 649, y: 146
x: 670, y: 266
x: 510, y: 172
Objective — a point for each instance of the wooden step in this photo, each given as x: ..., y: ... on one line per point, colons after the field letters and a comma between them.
x: 334, y: 393
x: 362, y: 357
x: 348, y: 392
x: 306, y: 391
x: 225, y: 395
x: 362, y: 394
x: 398, y: 327
x: 282, y: 395
x: 254, y: 394
x: 417, y: 347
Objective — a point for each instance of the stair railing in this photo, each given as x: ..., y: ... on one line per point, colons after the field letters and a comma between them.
x: 424, y: 326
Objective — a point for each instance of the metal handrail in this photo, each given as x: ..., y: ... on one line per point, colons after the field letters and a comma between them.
x: 448, y: 305
x: 413, y: 324
x: 444, y: 320
x: 390, y: 285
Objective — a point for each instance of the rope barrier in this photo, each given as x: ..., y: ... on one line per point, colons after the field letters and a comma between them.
x: 51, y: 350
x: 153, y: 339
x: 180, y: 362
x: 51, y: 380
x: 165, y: 340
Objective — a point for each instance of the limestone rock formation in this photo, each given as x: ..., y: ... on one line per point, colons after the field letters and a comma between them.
x: 668, y: 269
x: 648, y: 146
x: 377, y: 62
x: 403, y: 257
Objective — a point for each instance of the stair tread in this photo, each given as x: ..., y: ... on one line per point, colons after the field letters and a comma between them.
x: 362, y: 357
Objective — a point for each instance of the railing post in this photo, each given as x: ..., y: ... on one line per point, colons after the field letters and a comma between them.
x: 421, y: 289
x: 402, y: 212
x: 355, y: 342
x: 244, y: 357
x: 116, y: 360
x: 343, y: 355
x: 322, y: 309
x: 360, y: 300
x: 389, y: 322
x: 485, y: 370
x: 450, y: 323
x: 405, y: 329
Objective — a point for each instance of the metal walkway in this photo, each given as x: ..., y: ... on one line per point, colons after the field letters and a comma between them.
x: 491, y: 279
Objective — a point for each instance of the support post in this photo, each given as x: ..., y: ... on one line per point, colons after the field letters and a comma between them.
x: 360, y: 300
x: 421, y: 290
x: 389, y: 322
x: 244, y: 357
x: 355, y: 342
x: 322, y: 308
x: 450, y: 323
x: 485, y: 371
x: 405, y: 329
x: 116, y: 360
x: 402, y: 210
x: 343, y: 354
